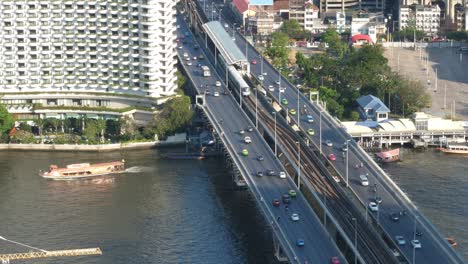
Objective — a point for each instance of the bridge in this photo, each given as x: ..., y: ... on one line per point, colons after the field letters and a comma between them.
x: 410, y: 224
x: 228, y: 119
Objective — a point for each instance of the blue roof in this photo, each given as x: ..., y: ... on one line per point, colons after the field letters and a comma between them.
x: 224, y: 42
x: 372, y: 102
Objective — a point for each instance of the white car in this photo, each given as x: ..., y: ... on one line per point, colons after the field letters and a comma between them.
x: 185, y: 54
x: 282, y: 175
x: 265, y: 73
x: 328, y: 143
x: 277, y: 82
x: 194, y: 58
x: 189, y: 63
x: 178, y: 26
x: 295, y: 217
x: 400, y: 240
x: 216, y: 94
x: 336, y: 178
x: 271, y: 88
x: 187, y: 59
x: 226, y: 25
x: 373, y: 207
x: 416, y: 243
x: 247, y: 140
x: 180, y: 47
x: 282, y: 89
x: 260, y: 77
x: 218, y: 84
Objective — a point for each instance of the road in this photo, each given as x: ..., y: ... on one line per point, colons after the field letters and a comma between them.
x: 229, y: 119
x: 434, y: 248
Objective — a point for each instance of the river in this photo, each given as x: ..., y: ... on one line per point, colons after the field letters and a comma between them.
x: 180, y: 211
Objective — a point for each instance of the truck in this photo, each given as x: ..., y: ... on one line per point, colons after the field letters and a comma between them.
x: 206, y: 71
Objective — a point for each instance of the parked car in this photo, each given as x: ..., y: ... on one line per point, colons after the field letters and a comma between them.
x: 295, y: 217
x: 373, y: 207
x: 400, y: 240
x: 416, y: 243
x: 276, y: 202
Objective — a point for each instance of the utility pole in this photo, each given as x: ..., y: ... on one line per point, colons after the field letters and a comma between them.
x: 436, y: 78
x: 445, y: 96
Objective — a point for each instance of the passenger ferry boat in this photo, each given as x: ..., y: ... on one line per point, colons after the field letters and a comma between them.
x: 388, y: 156
x: 455, y: 149
x: 83, y: 170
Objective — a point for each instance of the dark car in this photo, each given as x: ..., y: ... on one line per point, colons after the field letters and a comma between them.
x: 378, y: 199
x: 260, y: 158
x: 260, y: 173
x: 418, y: 232
x: 276, y: 202
x: 196, y: 47
x: 286, y: 198
x: 395, y: 216
x: 270, y: 173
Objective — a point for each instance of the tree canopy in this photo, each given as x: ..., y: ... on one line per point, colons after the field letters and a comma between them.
x: 294, y: 30
x: 335, y: 44
x: 278, y: 51
x: 6, y: 120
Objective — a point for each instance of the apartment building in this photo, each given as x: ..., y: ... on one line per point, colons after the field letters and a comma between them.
x: 346, y: 5
x: 75, y: 46
x: 425, y: 18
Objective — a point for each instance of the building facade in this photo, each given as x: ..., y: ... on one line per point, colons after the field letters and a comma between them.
x: 424, y: 18
x: 96, y: 46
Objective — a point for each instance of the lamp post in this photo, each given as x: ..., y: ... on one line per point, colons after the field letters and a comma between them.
x: 414, y: 238
x: 274, y: 113
x: 355, y: 239
x: 279, y: 85
x: 298, y: 165
x: 347, y: 169
x: 298, y: 110
x: 256, y: 108
x: 320, y: 131
x: 261, y: 64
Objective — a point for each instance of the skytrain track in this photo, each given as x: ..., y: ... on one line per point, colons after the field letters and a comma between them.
x: 370, y: 245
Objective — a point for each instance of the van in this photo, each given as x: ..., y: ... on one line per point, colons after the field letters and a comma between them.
x: 364, y: 180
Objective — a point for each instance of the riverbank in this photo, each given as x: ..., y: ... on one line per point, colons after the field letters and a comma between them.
x: 176, y: 140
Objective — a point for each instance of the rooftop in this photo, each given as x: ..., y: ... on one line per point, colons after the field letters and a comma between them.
x: 370, y: 101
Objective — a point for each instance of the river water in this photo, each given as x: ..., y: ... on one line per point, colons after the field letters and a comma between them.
x: 180, y: 211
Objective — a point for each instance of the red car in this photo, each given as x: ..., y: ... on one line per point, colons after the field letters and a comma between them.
x: 253, y: 62
x: 276, y: 202
x: 332, y: 157
x: 335, y: 260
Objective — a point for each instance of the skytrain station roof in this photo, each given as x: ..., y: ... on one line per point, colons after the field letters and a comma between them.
x: 224, y: 43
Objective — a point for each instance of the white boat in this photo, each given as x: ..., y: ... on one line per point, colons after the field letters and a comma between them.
x: 455, y: 149
x: 83, y: 170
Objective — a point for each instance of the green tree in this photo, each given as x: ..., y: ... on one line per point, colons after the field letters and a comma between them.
x: 335, y: 44
x: 181, y: 80
x: 94, y: 130
x: 458, y: 35
x: 129, y: 128
x: 23, y: 137
x: 6, y: 120
x: 294, y: 30
x: 278, y: 51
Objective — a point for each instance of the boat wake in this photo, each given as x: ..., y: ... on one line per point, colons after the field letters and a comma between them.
x: 137, y: 169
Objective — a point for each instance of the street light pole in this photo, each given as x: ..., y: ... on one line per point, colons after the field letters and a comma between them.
x: 299, y: 166
x: 355, y: 240
x: 256, y: 108
x: 261, y: 65
x: 298, y: 110
x: 347, y: 151
x: 320, y: 131
x: 274, y: 113
x: 414, y: 238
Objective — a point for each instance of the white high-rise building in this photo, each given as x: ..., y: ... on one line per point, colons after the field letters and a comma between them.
x: 65, y: 46
x: 424, y: 18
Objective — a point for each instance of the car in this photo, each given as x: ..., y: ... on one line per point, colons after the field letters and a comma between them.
x: 271, y: 88
x: 270, y: 173
x: 254, y: 62
x: 216, y: 94
x: 292, y: 193
x: 247, y: 140
x: 196, y: 47
x: 199, y: 65
x: 185, y: 54
x: 189, y: 63
x: 194, y: 57
x: 400, y: 240
x: 180, y: 47
x: 241, y: 132
x: 282, y: 175
x: 249, y: 128
x: 276, y: 202
x: 395, y: 216
x: 284, y: 101
x: 265, y: 73
x: 260, y: 173
x: 201, y: 57
x: 418, y: 233
x: 207, y: 92
x: 217, y: 83
x: 344, y: 148
x: 300, y: 242
x: 364, y: 180
x: 278, y: 82
x: 187, y: 33
x: 187, y: 59
x: 260, y: 158
x: 373, y: 207
x: 416, y: 243
x: 292, y: 111
x: 310, y: 119
x: 261, y: 78
x: 178, y: 26
x: 331, y: 157
x: 310, y: 131
x: 336, y: 178
x: 378, y: 199
x: 226, y: 25
x: 245, y: 152
x: 335, y: 260
x: 328, y: 143
x: 282, y: 89
x: 286, y: 198
x: 295, y: 217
